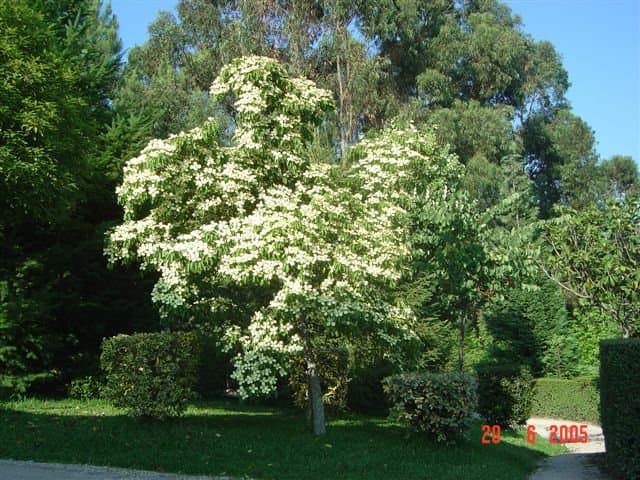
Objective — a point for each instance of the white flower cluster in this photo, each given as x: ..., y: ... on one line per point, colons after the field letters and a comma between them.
x: 138, y: 235
x: 265, y: 349
x: 140, y: 181
x: 262, y: 91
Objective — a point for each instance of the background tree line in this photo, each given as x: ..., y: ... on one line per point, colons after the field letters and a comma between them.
x: 73, y: 112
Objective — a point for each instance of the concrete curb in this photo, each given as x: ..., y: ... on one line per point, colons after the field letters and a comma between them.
x: 28, y: 470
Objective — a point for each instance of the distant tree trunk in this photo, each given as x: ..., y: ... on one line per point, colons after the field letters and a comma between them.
x: 315, y: 397
x: 341, y: 110
x: 461, y: 326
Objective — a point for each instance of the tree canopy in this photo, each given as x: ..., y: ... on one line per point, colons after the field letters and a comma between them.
x: 594, y: 254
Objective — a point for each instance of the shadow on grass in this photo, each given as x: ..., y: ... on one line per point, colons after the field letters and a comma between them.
x: 217, y: 439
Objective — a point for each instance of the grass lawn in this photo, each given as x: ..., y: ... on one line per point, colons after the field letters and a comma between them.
x: 224, y: 438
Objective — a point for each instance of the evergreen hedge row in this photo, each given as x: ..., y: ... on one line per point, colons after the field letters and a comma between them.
x: 575, y: 399
x: 620, y: 404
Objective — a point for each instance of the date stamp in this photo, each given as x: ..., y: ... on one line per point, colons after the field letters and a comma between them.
x: 492, y: 434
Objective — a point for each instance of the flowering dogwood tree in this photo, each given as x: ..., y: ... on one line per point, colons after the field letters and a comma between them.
x: 328, y: 241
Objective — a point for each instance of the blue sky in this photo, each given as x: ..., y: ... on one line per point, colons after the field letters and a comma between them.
x: 599, y: 41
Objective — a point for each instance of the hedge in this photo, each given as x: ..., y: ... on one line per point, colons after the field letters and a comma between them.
x: 620, y: 404
x: 440, y: 404
x: 150, y: 374
x: 576, y: 399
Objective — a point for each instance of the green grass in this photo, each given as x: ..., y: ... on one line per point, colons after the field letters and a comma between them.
x: 224, y: 438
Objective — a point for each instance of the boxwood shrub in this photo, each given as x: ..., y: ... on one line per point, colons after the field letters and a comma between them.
x: 576, y: 399
x: 440, y: 404
x: 505, y: 393
x: 150, y: 374
x: 620, y: 404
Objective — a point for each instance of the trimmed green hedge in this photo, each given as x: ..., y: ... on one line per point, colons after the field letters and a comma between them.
x: 576, y: 399
x: 441, y: 404
x: 620, y: 404
x: 150, y: 374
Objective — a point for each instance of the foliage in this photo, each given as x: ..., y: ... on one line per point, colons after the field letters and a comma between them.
x: 495, y: 92
x: 214, y: 368
x: 454, y: 260
x: 365, y: 393
x: 219, y: 439
x: 621, y: 173
x: 464, y: 262
x: 439, y: 404
x: 168, y: 76
x: 595, y: 255
x: 60, y: 301
x: 513, y: 338
x: 54, y: 82
x: 505, y: 394
x: 620, y: 404
x: 86, y: 388
x: 588, y: 326
x: 59, y: 62
x: 576, y: 399
x: 333, y: 369
x: 532, y: 327
x: 562, y: 161
x: 150, y: 374
x: 25, y: 349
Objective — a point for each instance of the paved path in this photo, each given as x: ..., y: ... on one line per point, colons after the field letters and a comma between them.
x: 579, y: 464
x: 14, y: 470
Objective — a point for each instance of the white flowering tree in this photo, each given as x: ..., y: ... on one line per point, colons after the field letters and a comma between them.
x: 328, y: 242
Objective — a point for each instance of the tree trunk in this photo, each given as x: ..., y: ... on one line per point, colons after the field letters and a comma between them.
x: 461, y: 325
x: 340, y: 27
x: 315, y: 399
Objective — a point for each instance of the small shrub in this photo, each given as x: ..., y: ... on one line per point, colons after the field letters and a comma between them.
x: 440, y: 404
x: 85, y: 388
x: 333, y: 365
x: 620, y: 404
x: 150, y: 374
x: 505, y: 394
x: 576, y: 399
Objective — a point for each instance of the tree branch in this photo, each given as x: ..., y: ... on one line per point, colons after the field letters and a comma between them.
x: 555, y: 280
